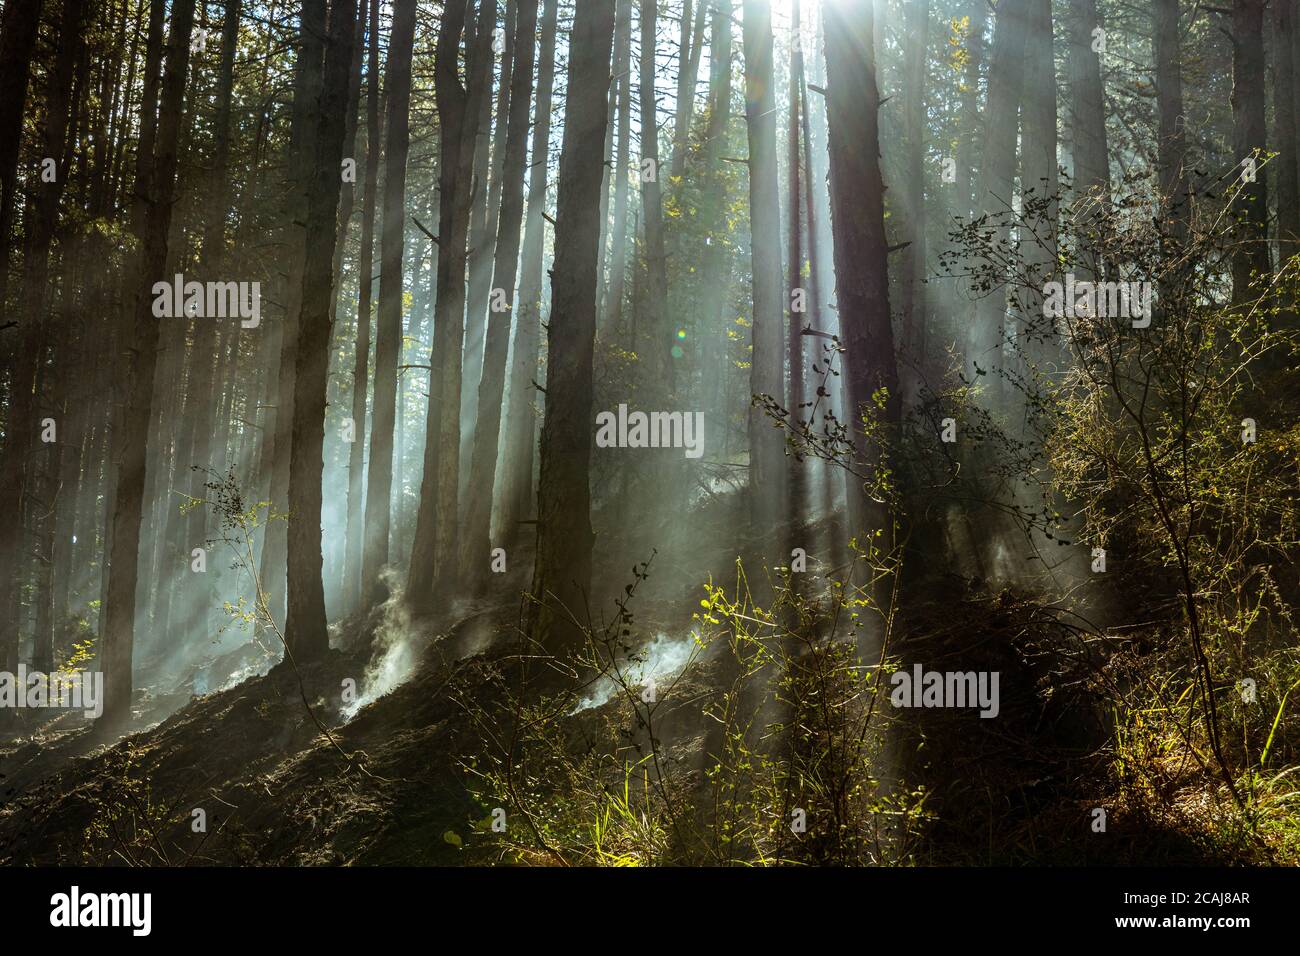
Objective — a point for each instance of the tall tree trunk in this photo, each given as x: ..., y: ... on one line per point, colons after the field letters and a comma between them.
x: 861, y: 249
x: 119, y: 613
x: 916, y: 27
x: 798, y: 484
x: 654, y: 301
x: 1250, y: 255
x: 997, y: 182
x: 521, y: 420
x: 562, y: 572
x: 306, y: 636
x: 476, y: 537
x: 388, y: 335
x: 716, y: 266
x: 197, y: 425
x: 485, y: 197
x: 352, y: 561
x: 1039, y: 186
x: 613, y: 305
x: 766, y: 449
x: 17, y: 43
x: 457, y: 112
x: 1169, y: 103
x: 688, y: 65
x: 1088, y: 101
x: 971, y: 121
x: 35, y: 293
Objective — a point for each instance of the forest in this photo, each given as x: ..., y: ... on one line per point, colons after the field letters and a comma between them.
x: 570, y: 433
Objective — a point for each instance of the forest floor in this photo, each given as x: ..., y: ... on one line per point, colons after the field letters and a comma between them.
x: 397, y: 782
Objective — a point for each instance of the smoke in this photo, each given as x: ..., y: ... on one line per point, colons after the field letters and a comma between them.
x: 395, y: 651
x: 660, y: 661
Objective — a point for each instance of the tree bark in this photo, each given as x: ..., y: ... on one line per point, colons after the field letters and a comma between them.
x: 388, y: 326
x: 118, y: 636
x: 521, y: 418
x: 457, y: 117
x: 306, y: 636
x: 476, y: 538
x: 352, y: 560
x: 1169, y: 103
x: 17, y: 42
x: 688, y: 63
x: 1088, y: 103
x: 613, y: 305
x: 997, y: 183
x: 1250, y: 256
x: 562, y: 572
x: 797, y: 484
x: 861, y: 248
x: 767, y: 491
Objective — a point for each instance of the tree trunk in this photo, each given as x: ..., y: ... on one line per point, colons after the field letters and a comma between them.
x: 352, y: 561
x: 1250, y: 255
x: 916, y: 27
x: 798, y: 485
x: 1169, y: 102
x: 476, y: 537
x: 119, y: 613
x: 485, y: 197
x: 861, y: 249
x: 654, y: 301
x: 17, y: 42
x: 521, y: 419
x: 997, y: 183
x: 562, y: 572
x: 766, y: 445
x: 613, y: 307
x: 457, y: 120
x: 971, y: 121
x: 306, y: 636
x: 688, y: 63
x: 388, y: 334
x: 1088, y: 102
x: 1039, y: 184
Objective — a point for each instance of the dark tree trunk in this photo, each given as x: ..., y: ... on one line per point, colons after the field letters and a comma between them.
x: 521, y: 419
x: 971, y: 121
x: 613, y: 306
x: 476, y: 538
x: 388, y: 334
x: 916, y: 28
x: 688, y: 52
x: 861, y: 249
x: 654, y: 302
x: 1250, y: 256
x: 133, y: 438
x: 1087, y: 103
x: 485, y: 197
x: 457, y: 112
x: 795, y: 400
x: 1169, y: 102
x: 352, y: 560
x: 997, y: 182
x: 17, y: 43
x: 766, y: 467
x: 306, y: 636
x: 1039, y: 186
x: 562, y: 572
